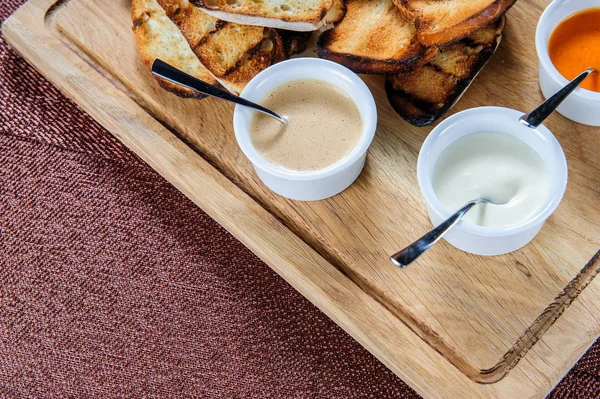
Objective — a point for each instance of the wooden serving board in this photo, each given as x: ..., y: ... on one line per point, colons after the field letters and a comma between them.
x: 450, y: 325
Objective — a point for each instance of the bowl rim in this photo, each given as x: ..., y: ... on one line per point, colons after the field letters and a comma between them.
x: 426, y: 181
x: 360, y: 91
x: 541, y: 47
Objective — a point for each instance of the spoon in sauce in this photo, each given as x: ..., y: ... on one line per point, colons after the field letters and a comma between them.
x: 177, y: 76
x: 406, y: 256
x: 539, y: 115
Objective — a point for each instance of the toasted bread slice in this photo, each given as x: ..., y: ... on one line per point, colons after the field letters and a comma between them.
x: 158, y: 37
x: 233, y: 53
x: 374, y: 37
x: 425, y: 94
x: 296, y: 15
x: 442, y: 22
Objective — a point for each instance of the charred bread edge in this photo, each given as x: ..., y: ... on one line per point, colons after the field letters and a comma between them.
x: 499, y: 7
x: 360, y: 64
x: 281, y: 22
x: 462, y: 85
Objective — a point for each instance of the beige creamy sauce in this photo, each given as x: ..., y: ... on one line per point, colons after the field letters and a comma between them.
x: 495, y: 166
x: 324, y: 126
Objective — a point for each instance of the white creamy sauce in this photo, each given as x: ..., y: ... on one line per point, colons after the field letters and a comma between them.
x: 495, y: 166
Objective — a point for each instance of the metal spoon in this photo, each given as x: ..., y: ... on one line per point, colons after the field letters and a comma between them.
x: 174, y: 75
x: 538, y: 115
x: 409, y: 254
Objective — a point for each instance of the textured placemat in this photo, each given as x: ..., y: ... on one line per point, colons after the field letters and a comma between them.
x: 113, y: 284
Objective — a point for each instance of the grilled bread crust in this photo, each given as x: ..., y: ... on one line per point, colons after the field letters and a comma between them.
x: 423, y: 95
x: 158, y: 37
x: 442, y: 22
x: 298, y: 15
x: 233, y: 53
x: 374, y: 37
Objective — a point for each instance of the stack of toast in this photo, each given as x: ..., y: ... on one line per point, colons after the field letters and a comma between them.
x: 430, y: 50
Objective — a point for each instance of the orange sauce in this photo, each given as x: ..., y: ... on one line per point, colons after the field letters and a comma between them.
x: 575, y: 46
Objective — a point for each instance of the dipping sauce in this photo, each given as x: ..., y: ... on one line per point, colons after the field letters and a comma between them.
x: 495, y: 166
x: 575, y: 46
x: 324, y: 126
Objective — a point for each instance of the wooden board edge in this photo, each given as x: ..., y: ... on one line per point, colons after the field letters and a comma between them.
x: 488, y: 375
x: 82, y: 84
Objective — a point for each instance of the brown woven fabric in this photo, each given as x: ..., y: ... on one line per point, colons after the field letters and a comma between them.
x: 112, y: 284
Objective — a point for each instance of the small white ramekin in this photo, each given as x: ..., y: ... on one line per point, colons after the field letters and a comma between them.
x: 490, y: 240
x: 582, y: 106
x: 323, y: 183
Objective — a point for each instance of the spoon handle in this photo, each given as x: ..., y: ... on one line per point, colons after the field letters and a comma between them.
x: 413, y: 251
x: 174, y: 75
x: 539, y: 115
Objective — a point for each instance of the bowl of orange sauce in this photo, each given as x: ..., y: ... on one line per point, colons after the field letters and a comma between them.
x: 567, y: 43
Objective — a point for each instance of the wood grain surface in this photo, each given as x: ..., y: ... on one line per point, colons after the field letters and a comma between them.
x: 477, y: 317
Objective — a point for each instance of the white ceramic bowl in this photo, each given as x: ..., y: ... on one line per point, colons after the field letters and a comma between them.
x: 323, y: 183
x: 489, y: 240
x: 582, y: 105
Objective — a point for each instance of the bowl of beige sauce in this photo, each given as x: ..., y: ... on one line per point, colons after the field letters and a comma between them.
x: 332, y: 119
x: 485, y: 152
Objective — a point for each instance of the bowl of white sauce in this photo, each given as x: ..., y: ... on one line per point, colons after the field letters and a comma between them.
x: 485, y: 152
